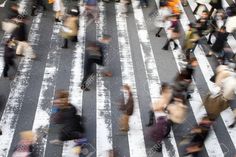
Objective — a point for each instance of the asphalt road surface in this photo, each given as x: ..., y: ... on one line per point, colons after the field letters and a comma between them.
x: 135, y: 58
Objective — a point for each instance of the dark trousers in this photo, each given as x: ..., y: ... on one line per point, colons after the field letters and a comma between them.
x: 168, y: 42
x: 7, y: 67
x: 87, y: 74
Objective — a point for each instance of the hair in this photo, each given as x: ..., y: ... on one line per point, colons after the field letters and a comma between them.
x: 62, y: 94
x: 127, y: 87
x: 193, y: 59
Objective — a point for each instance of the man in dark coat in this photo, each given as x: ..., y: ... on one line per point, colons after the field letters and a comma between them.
x: 219, y: 44
x: 95, y: 54
x: 9, y: 55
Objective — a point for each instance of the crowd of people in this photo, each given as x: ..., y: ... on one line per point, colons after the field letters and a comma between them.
x: 172, y: 106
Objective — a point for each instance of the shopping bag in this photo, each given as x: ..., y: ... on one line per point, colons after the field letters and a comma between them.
x: 8, y: 26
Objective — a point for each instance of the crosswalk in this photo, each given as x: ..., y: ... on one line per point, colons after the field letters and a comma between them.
x: 132, y: 38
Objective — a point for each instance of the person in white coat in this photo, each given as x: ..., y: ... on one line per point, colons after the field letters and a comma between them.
x: 160, y: 20
x: 58, y: 7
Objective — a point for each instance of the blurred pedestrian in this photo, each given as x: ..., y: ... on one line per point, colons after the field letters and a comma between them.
x: 191, y: 37
x: 202, y: 24
x: 70, y: 28
x: 25, y: 147
x: 91, y: 9
x: 127, y: 108
x: 96, y: 53
x: 194, y: 141
x: 58, y: 8
x: 160, y: 20
x: 160, y: 105
x: 37, y: 4
x: 174, y: 32
x: 219, y: 44
x: 9, y: 56
x: 230, y: 22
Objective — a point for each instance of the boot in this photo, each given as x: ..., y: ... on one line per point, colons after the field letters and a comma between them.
x: 65, y: 46
x: 175, y: 45
x: 33, y: 11
x: 166, y: 45
x: 233, y: 124
x: 151, y: 118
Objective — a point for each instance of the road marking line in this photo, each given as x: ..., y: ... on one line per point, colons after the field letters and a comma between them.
x: 135, y: 134
x: 45, y: 101
x: 103, y: 111
x: 15, y: 101
x: 77, y: 72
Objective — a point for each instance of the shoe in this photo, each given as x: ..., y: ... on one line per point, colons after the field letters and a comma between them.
x: 165, y: 48
x: 176, y: 47
x: 57, y: 20
x: 149, y: 124
x: 84, y: 88
x: 209, y: 43
x: 64, y: 47
x: 157, y: 35
x: 208, y: 55
x: 232, y: 125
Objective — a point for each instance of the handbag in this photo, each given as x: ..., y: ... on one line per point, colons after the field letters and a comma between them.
x: 9, y: 26
x: 65, y: 32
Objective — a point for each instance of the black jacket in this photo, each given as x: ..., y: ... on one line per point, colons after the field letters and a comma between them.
x: 219, y: 44
x: 20, y: 33
x: 9, y: 54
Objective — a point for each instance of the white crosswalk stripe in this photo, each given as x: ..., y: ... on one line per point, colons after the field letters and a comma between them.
x: 137, y: 145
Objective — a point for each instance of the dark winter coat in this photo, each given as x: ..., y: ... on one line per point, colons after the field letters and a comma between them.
x: 20, y: 33
x: 160, y: 130
x: 219, y: 44
x: 9, y: 55
x: 216, y: 4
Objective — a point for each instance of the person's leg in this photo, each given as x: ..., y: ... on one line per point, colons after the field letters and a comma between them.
x: 158, y: 32
x: 151, y: 118
x: 5, y: 70
x: 33, y: 10
x: 165, y: 47
x: 175, y: 44
x: 65, y: 45
x: 209, y: 39
x: 19, y: 49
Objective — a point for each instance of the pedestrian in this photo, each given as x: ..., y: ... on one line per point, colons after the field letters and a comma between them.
x: 159, y: 131
x: 217, y: 22
x: 174, y: 32
x: 191, y: 37
x: 202, y: 24
x: 96, y: 53
x: 9, y: 56
x: 123, y: 8
x: 19, y: 35
x: 127, y: 108
x: 37, y: 4
x: 73, y: 127
x: 230, y: 22
x: 214, y: 105
x: 13, y: 11
x: 160, y: 105
x: 194, y: 141
x: 25, y: 147
x: 161, y: 18
x: 219, y: 44
x: 58, y: 8
x: 70, y: 28
x: 91, y: 9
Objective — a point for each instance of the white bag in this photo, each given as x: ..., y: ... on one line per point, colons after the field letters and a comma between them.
x: 8, y: 27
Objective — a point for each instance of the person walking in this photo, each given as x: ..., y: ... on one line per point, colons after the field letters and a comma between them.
x: 174, y: 32
x: 127, y: 108
x: 70, y: 28
x: 58, y: 8
x: 219, y: 44
x: 95, y: 53
x: 9, y: 55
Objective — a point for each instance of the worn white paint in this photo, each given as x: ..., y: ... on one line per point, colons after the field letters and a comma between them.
x: 3, y: 4
x: 135, y: 134
x: 207, y: 72
x: 46, y: 95
x: 15, y: 101
x: 212, y: 146
x: 77, y: 72
x: 152, y: 75
x: 103, y: 103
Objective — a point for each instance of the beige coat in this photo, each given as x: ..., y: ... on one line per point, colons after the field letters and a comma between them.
x: 72, y: 23
x: 161, y: 103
